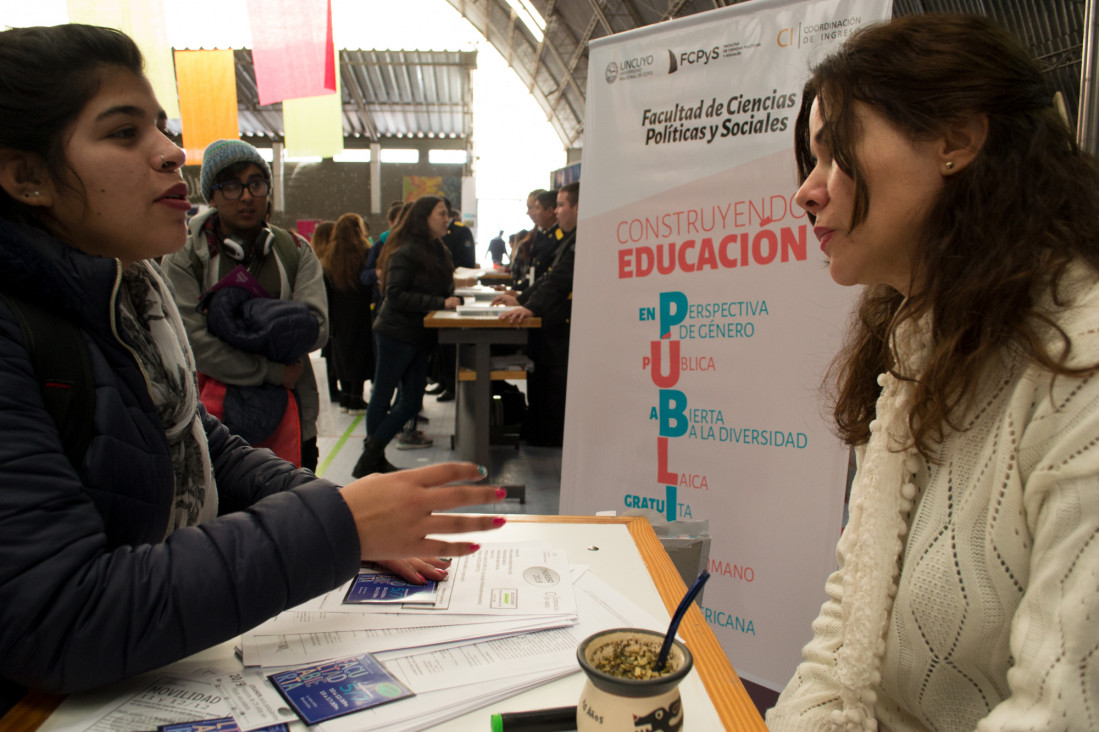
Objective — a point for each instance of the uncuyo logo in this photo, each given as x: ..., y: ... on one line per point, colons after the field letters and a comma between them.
x: 612, y: 72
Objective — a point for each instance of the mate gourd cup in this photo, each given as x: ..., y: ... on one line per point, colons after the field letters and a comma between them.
x: 610, y: 703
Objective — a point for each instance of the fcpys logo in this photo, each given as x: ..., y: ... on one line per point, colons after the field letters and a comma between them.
x: 612, y: 72
x: 689, y: 58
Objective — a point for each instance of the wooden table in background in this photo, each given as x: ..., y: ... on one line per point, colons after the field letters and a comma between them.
x: 496, y: 278
x: 474, y: 337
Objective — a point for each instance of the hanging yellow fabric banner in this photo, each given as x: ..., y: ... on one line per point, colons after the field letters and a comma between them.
x: 314, y: 125
x: 207, y: 84
x: 144, y: 21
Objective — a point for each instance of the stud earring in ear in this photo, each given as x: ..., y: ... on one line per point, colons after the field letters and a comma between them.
x: 949, y: 165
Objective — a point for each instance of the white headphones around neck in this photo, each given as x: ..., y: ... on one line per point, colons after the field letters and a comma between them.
x: 233, y: 245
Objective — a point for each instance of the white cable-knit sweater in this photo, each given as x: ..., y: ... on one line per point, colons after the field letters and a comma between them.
x: 980, y: 571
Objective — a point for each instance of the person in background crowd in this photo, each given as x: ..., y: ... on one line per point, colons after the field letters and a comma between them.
x: 547, y: 237
x: 322, y: 238
x: 417, y: 277
x: 349, y: 303
x: 497, y: 249
x: 410, y: 437
x: 459, y: 240
x: 939, y: 176
x: 549, y: 298
x: 236, y: 181
x: 167, y: 534
x: 516, y: 243
x: 520, y: 255
x: 369, y: 274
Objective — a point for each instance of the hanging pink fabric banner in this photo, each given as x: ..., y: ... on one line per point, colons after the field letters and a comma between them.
x: 330, y: 55
x: 292, y: 48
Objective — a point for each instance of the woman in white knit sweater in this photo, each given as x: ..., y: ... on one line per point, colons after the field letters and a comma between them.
x: 939, y: 175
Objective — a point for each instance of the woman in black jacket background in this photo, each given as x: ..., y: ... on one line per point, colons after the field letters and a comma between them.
x: 416, y: 276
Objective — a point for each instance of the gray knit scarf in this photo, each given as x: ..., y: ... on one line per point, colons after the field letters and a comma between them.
x: 159, y: 340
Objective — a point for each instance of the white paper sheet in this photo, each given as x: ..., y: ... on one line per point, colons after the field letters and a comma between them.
x: 500, y: 669
x: 299, y: 649
x: 600, y: 608
x: 522, y: 578
x: 166, y: 700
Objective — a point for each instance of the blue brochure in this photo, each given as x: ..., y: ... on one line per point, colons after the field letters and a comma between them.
x: 335, y: 688
x: 376, y: 587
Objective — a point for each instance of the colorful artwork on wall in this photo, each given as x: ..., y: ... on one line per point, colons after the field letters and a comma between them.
x: 433, y: 185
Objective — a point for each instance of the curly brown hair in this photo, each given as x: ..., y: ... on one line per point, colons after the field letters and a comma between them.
x: 345, y: 254
x: 1001, y: 233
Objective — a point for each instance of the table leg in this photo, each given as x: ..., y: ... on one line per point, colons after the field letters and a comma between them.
x: 482, y: 402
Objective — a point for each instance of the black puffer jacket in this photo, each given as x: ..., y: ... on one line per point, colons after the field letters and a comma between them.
x: 412, y: 291
x: 282, y: 331
x: 90, y: 592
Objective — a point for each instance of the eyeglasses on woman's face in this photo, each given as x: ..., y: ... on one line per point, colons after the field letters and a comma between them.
x: 234, y: 189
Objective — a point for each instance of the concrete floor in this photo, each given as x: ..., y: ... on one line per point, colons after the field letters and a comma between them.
x: 340, y: 439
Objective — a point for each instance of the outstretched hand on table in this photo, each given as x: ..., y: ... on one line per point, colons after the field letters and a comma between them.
x: 395, y: 513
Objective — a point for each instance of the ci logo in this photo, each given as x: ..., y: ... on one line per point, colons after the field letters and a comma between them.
x: 612, y: 72
x: 786, y: 38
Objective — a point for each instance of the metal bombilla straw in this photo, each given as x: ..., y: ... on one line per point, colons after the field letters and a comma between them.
x: 680, y: 611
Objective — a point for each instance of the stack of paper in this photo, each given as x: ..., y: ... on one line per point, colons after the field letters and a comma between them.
x: 508, y: 618
x: 482, y: 309
x: 477, y: 292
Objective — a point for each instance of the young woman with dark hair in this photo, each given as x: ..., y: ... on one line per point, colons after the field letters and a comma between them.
x: 168, y: 534
x: 349, y: 310
x: 939, y: 175
x: 416, y: 276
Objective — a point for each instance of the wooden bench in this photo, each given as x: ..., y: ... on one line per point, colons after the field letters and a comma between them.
x: 467, y: 374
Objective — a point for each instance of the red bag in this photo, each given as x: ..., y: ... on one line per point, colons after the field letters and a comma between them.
x: 285, y: 441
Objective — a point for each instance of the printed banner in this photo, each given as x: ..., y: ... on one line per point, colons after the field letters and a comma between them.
x: 292, y: 48
x: 207, y: 82
x: 704, y: 318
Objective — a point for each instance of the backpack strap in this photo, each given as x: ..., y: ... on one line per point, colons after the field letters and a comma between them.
x: 287, y: 246
x: 59, y: 355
